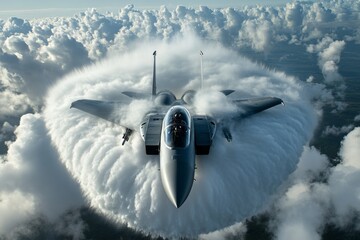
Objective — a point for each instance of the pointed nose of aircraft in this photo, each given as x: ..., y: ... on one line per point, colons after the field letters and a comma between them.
x: 179, y: 194
x: 177, y: 178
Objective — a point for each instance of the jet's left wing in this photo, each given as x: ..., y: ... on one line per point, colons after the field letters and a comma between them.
x: 247, y: 107
x: 104, y: 110
x: 252, y: 106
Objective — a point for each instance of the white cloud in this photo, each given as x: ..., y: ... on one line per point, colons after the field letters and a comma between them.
x: 308, y: 205
x: 311, y: 164
x: 329, y: 52
x: 35, y: 54
x: 16, y: 207
x: 29, y: 65
x: 294, y: 15
x: 258, y: 33
x: 320, y: 14
x: 329, y: 57
x: 328, y: 60
x: 31, y: 178
x: 343, y: 182
x: 17, y: 104
x: 15, y: 25
x: 349, y: 150
x: 301, y: 215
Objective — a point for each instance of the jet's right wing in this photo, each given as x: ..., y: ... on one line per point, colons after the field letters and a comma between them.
x: 104, y: 110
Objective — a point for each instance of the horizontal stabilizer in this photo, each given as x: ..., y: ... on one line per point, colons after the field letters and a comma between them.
x: 136, y: 95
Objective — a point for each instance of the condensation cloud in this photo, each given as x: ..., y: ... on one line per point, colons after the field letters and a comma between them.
x: 124, y: 184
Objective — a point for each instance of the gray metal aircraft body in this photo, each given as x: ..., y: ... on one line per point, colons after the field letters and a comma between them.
x: 172, y: 132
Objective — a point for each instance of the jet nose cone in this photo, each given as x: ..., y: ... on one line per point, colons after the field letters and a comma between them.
x: 178, y: 197
x: 178, y: 186
x: 177, y: 176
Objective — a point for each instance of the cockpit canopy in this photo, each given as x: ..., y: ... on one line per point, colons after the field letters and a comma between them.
x: 177, y: 124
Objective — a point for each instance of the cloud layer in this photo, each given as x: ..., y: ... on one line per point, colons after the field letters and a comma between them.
x: 37, y: 54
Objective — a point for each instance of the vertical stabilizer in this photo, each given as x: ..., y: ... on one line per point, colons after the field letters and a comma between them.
x: 154, y: 76
x: 201, y: 70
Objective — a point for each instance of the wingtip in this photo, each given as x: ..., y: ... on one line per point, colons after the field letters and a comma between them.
x: 73, y: 104
x: 279, y: 100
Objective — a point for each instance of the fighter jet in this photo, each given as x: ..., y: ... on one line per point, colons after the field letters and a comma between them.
x: 171, y: 131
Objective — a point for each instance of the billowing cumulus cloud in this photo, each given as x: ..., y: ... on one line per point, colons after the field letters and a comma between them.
x: 300, y: 210
x: 307, y: 205
x: 30, y: 71
x: 121, y: 182
x: 343, y: 187
x: 257, y: 33
x: 33, y: 182
x: 329, y: 57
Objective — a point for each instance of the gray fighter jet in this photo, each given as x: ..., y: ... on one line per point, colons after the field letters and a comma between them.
x: 171, y: 131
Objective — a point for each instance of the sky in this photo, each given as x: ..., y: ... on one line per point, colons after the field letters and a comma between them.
x: 297, y: 164
x: 36, y: 9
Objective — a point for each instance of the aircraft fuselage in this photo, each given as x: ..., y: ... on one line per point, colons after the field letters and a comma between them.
x: 177, y: 154
x: 177, y: 137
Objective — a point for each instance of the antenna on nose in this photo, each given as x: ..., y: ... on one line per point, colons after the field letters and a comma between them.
x: 154, y: 76
x: 201, y: 70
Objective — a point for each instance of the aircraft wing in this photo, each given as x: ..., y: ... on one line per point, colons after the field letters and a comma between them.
x: 102, y: 109
x: 247, y: 107
x: 251, y: 106
x: 105, y: 110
